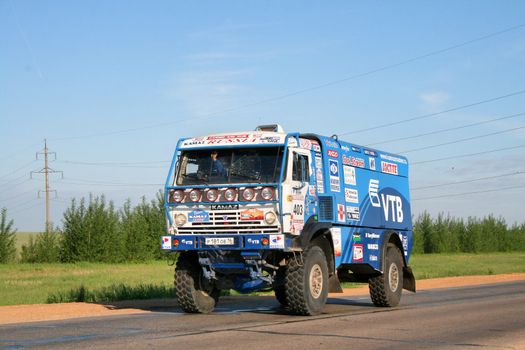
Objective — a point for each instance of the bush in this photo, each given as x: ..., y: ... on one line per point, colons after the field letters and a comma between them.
x: 97, y: 232
x: 90, y: 232
x: 446, y: 234
x: 7, y: 238
x: 44, y: 249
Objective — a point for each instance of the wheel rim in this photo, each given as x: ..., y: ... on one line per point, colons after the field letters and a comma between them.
x: 316, y: 281
x: 393, y: 277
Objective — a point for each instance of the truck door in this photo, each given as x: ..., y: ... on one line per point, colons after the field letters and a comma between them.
x: 299, y: 179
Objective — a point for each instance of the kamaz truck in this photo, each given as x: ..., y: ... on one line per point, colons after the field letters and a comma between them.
x: 294, y: 213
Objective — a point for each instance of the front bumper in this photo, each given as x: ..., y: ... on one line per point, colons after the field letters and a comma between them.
x: 225, y: 242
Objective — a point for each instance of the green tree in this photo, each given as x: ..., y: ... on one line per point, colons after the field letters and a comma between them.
x: 91, y: 232
x: 45, y: 248
x: 7, y: 238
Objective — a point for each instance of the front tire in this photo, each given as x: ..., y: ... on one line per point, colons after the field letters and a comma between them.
x: 195, y: 294
x: 307, y: 282
x: 385, y: 290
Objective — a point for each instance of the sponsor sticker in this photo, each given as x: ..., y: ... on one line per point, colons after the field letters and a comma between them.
x: 393, y: 159
x: 276, y: 241
x: 351, y: 195
x: 340, y: 212
x: 166, y: 242
x: 318, y: 162
x: 252, y: 214
x: 349, y: 175
x: 356, y: 149
x: 372, y: 235
x: 336, y: 239
x: 372, y: 163
x: 320, y: 182
x: 357, y: 255
x: 335, y: 182
x: 373, y: 246
x: 331, y: 143
x: 389, y: 168
x: 198, y: 216
x: 372, y: 257
x: 352, y: 213
x: 358, y: 162
x: 345, y: 148
x: 370, y: 152
x: 332, y: 153
x: 356, y: 237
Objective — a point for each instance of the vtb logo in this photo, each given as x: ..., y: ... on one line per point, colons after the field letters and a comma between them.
x: 392, y: 205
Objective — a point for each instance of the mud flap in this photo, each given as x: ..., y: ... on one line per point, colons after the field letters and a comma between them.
x: 334, y: 286
x: 409, y: 281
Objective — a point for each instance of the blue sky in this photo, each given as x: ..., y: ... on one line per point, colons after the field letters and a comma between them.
x: 116, y: 84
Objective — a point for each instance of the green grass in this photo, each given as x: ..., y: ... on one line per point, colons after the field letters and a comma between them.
x: 36, y: 283
x: 448, y: 265
x: 40, y: 283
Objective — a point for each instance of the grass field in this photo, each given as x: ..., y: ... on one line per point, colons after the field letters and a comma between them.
x: 35, y: 283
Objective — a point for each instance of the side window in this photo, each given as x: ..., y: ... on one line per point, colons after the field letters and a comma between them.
x: 300, y: 168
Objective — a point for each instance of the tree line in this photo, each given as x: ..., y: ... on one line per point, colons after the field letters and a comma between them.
x: 94, y: 230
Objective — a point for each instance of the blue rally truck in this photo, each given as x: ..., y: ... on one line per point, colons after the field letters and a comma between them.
x: 293, y: 213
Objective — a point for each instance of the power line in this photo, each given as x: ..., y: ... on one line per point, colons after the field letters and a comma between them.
x: 462, y: 140
x: 467, y: 181
x: 429, y: 115
x: 468, y: 193
x: 18, y: 169
x: 467, y: 155
x: 116, y: 165
x: 308, y: 89
x: 445, y: 130
x: 110, y: 184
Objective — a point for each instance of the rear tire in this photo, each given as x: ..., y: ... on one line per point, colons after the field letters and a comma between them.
x: 195, y: 294
x: 306, y: 286
x: 385, y: 290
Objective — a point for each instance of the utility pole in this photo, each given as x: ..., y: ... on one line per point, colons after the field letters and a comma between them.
x: 46, y: 170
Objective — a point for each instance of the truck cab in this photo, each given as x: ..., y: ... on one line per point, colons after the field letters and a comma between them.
x: 288, y: 212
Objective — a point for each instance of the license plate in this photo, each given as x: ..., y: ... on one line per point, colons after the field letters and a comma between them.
x: 220, y: 241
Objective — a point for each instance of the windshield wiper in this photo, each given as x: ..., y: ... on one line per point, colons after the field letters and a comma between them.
x: 246, y: 177
x: 195, y: 177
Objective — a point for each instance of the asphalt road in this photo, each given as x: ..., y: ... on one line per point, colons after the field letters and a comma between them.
x: 487, y: 317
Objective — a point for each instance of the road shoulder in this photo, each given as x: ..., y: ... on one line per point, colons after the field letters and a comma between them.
x: 52, y: 312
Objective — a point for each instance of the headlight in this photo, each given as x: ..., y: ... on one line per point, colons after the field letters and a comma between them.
x: 270, y: 217
x: 248, y: 194
x: 267, y: 193
x: 176, y: 196
x: 229, y: 194
x: 211, y: 195
x: 195, y: 195
x: 180, y: 220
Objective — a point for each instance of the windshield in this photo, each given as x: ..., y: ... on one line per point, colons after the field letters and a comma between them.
x: 230, y: 166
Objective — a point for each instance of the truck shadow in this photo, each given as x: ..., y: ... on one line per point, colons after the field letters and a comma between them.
x: 238, y: 304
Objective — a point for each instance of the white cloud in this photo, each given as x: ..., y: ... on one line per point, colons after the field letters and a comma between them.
x: 434, y: 98
x: 210, y: 91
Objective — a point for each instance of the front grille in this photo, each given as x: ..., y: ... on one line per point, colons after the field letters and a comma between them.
x: 228, y: 222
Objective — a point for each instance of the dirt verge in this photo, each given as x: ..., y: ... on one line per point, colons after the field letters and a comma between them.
x: 50, y: 312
